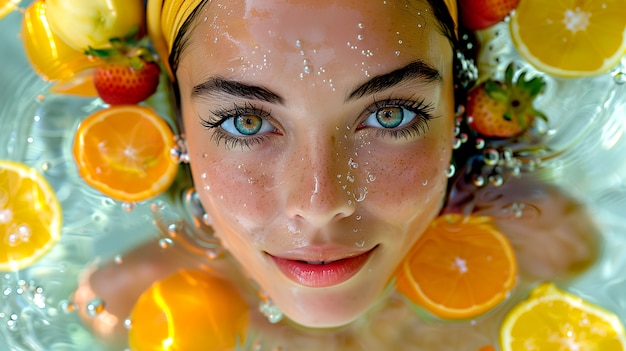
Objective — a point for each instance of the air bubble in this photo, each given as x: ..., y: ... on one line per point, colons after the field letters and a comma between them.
x: 496, y: 180
x: 619, y: 78
x: 298, y: 43
x: 206, y: 219
x: 128, y: 206
x: 95, y: 307
x: 165, y: 243
x: 480, y: 143
x: 67, y: 306
x: 478, y: 181
x: 118, y: 259
x: 46, y: 166
x: 491, y: 157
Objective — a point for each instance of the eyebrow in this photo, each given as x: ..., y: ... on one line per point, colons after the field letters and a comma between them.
x: 414, y: 70
x: 237, y: 89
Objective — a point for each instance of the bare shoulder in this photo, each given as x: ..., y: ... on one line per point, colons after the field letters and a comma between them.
x: 553, y: 233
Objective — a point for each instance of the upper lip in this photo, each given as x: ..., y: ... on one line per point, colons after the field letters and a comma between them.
x: 317, y: 254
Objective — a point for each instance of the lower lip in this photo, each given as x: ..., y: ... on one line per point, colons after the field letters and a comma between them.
x: 321, y: 275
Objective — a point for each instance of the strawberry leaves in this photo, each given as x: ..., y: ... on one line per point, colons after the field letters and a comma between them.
x: 504, y: 109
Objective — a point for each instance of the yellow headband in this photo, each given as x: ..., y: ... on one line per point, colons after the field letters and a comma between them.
x: 165, y: 17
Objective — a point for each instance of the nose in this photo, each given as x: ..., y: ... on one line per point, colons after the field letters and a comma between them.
x: 318, y: 191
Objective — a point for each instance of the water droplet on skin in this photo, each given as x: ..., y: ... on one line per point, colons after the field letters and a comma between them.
x: 360, y: 25
x: 307, y: 69
x: 450, y: 171
x: 371, y: 177
x: 619, y: 78
x: 350, y: 178
x: 400, y: 41
x: 353, y: 164
x: 360, y: 193
x: 359, y: 37
x: 95, y: 307
x: 298, y: 43
x: 165, y: 243
x: 456, y: 143
x: 397, y: 52
x: 425, y: 182
x: 358, y: 218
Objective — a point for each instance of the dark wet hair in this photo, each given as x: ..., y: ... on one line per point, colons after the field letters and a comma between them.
x: 440, y: 11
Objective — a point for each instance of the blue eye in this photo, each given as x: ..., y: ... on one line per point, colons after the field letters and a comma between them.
x: 246, y: 125
x: 390, y: 117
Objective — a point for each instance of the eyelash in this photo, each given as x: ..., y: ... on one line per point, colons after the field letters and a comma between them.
x: 418, y: 126
x: 423, y: 114
x: 223, y: 115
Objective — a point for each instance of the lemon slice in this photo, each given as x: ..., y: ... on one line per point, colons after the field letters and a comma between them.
x: 552, y: 319
x: 30, y: 216
x: 570, y: 38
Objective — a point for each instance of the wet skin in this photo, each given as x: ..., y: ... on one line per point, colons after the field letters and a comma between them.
x: 321, y: 179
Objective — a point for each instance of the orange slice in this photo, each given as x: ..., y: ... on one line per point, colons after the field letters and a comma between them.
x: 30, y: 216
x: 80, y: 84
x: 552, y: 319
x: 124, y: 152
x: 189, y: 310
x: 570, y: 38
x: 459, y: 268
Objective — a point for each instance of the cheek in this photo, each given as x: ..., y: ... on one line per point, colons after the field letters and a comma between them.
x: 404, y: 185
x: 236, y: 192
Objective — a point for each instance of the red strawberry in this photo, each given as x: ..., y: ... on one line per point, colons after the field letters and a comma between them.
x: 504, y: 109
x: 120, y: 83
x: 129, y: 73
x: 480, y: 14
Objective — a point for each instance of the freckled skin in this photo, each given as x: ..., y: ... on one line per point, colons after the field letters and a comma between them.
x: 297, y: 187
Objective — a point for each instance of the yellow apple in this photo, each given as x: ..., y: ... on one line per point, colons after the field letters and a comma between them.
x: 91, y: 23
x: 6, y: 6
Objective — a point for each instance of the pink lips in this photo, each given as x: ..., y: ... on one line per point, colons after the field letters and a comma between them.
x: 322, y: 274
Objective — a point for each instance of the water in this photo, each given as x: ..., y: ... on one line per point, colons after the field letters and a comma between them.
x: 36, y: 307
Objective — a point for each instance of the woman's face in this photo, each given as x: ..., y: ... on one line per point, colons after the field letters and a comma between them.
x: 319, y: 136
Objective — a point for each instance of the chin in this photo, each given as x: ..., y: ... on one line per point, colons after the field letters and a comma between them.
x: 328, y: 307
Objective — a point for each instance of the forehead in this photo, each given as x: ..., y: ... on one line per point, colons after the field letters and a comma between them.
x: 250, y: 35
